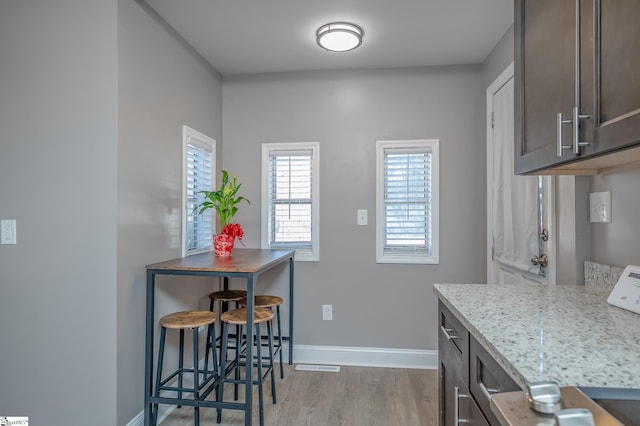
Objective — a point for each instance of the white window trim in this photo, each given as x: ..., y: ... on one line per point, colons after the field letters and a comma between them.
x: 433, y: 145
x: 194, y: 137
x: 312, y: 255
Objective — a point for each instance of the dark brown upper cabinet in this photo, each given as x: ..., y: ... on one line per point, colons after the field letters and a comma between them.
x: 577, y: 99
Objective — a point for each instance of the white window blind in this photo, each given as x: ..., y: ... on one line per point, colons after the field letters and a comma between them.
x: 290, y: 186
x: 406, y: 194
x: 407, y: 191
x: 198, y: 176
x: 290, y: 177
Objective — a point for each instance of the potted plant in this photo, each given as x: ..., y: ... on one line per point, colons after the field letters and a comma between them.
x: 224, y: 201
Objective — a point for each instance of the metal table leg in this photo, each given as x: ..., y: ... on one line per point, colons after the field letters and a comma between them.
x: 148, y: 351
x: 291, y: 310
x: 249, y: 380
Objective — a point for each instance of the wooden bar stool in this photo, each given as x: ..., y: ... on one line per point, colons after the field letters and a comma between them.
x: 223, y: 297
x: 238, y: 317
x: 181, y: 321
x: 269, y: 302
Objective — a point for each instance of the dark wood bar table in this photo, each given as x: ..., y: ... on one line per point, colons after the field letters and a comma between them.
x: 245, y: 263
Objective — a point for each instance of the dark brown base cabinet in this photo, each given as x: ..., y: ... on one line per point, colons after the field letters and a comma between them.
x: 468, y: 375
x: 576, y: 61
x: 459, y: 408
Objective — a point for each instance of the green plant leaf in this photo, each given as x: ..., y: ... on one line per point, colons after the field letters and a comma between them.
x: 223, y: 200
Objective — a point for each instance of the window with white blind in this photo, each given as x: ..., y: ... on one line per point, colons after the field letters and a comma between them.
x: 407, y: 201
x: 198, y: 175
x: 290, y: 198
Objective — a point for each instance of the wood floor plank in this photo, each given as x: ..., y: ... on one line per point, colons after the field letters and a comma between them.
x: 355, y: 396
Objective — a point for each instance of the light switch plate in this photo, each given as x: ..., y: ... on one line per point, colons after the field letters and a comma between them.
x: 362, y: 217
x: 327, y: 312
x: 8, y: 231
x: 600, y: 207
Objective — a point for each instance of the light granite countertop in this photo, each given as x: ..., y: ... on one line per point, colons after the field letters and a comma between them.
x: 568, y: 334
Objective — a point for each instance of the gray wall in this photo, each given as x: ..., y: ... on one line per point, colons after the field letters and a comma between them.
x: 163, y: 84
x: 90, y: 129
x: 375, y: 305
x: 618, y: 243
x: 58, y: 105
x: 499, y: 58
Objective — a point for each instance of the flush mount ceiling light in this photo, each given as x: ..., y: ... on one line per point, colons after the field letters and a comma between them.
x: 339, y: 36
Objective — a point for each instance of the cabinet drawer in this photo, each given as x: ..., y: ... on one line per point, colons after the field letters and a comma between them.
x: 453, y: 341
x: 486, y: 376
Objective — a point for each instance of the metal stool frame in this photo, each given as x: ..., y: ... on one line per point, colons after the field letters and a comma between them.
x: 208, y: 375
x: 236, y: 365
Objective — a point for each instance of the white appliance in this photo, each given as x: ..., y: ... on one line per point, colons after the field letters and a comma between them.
x: 626, y: 293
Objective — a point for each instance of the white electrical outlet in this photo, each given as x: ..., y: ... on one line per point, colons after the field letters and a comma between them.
x: 8, y: 231
x: 600, y: 207
x: 327, y: 312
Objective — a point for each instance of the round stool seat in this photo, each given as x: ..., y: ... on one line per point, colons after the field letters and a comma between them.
x: 264, y: 301
x: 239, y: 316
x: 188, y: 319
x: 225, y: 296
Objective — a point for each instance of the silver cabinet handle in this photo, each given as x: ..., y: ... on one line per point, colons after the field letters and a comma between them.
x: 576, y: 129
x: 456, y: 406
x: 447, y: 332
x: 559, y: 124
x: 488, y: 391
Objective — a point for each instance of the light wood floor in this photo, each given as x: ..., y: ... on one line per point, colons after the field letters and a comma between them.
x: 356, y: 396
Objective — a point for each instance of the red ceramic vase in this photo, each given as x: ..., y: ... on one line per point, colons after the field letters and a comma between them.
x: 223, y: 244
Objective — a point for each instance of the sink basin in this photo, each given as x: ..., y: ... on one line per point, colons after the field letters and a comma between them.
x: 623, y: 404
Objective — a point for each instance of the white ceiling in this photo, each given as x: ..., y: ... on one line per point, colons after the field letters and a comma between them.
x: 255, y: 36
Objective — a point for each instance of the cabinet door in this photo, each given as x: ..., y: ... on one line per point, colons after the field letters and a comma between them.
x: 545, y: 81
x: 458, y: 408
x: 616, y: 111
x: 448, y: 380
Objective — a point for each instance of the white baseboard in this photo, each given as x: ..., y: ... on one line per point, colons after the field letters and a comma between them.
x: 339, y: 355
x: 137, y: 420
x: 365, y: 357
x: 163, y: 413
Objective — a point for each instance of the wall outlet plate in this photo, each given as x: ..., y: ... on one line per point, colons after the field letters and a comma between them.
x: 600, y: 207
x: 8, y: 231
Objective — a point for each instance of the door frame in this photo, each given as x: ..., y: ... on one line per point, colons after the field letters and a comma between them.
x: 550, y: 221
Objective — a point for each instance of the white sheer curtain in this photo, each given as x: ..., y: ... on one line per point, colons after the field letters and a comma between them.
x: 515, y: 198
